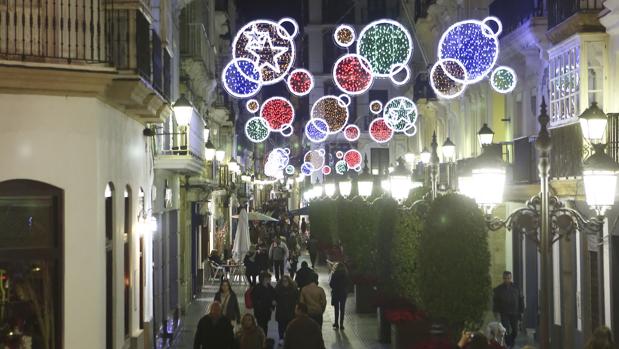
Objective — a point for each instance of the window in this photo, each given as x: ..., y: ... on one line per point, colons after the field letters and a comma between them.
x: 31, y: 240
x: 109, y: 264
x: 595, y: 72
x: 564, y: 86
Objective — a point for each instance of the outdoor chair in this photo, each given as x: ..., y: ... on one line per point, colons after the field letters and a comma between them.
x: 216, y: 270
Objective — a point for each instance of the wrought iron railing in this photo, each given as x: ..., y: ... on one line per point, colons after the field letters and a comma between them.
x: 514, y: 13
x: 612, y: 136
x: 188, y: 144
x: 560, y: 10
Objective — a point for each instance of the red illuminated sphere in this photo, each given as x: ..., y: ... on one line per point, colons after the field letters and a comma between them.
x: 351, y: 133
x: 353, y: 74
x: 277, y: 112
x: 326, y: 170
x: 379, y: 131
x: 352, y: 158
x: 300, y: 82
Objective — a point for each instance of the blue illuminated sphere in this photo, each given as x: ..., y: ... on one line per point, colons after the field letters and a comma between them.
x: 472, y: 43
x: 307, y: 168
x: 241, y: 78
x: 317, y: 130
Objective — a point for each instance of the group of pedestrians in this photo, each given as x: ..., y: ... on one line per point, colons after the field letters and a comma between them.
x: 298, y: 304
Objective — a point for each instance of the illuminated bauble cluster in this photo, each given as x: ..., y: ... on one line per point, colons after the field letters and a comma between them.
x: 352, y: 133
x: 326, y: 170
x: 257, y: 129
x: 388, y: 46
x: 279, y: 115
x: 270, y: 45
x: 277, y: 161
x: 341, y: 167
x: 313, y: 161
x: 379, y: 131
x: 352, y: 74
x: 400, y: 114
x: 473, y: 43
x: 376, y: 107
x: 503, y: 79
x: 241, y: 78
x: 442, y: 78
x: 353, y: 159
x: 332, y: 109
x: 344, y: 35
x: 306, y: 169
x: 289, y: 170
x: 316, y: 130
x: 300, y: 82
x: 252, y: 106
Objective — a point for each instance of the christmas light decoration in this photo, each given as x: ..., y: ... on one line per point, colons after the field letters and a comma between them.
x: 385, y: 43
x: 307, y: 169
x: 279, y: 114
x: 326, y: 170
x: 397, y: 70
x: 341, y: 167
x: 315, y: 158
x: 352, y: 74
x: 289, y: 169
x: 339, y: 154
x: 241, y: 78
x: 300, y: 82
x: 252, y: 105
x: 334, y: 110
x: 474, y: 44
x: 256, y: 129
x: 400, y: 114
x: 270, y: 45
x: 443, y: 85
x: 344, y: 35
x: 353, y: 158
x: 379, y: 131
x: 503, y: 79
x: 352, y: 133
x: 276, y: 162
x: 316, y: 130
x: 376, y: 106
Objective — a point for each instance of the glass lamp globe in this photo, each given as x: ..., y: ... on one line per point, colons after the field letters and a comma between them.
x: 329, y: 188
x: 425, y: 156
x: 220, y: 155
x: 449, y: 150
x: 345, y: 186
x: 593, y: 124
x: 233, y: 166
x: 365, y: 182
x: 206, y: 132
x: 600, y: 179
x: 209, y: 151
x: 183, y: 110
x: 465, y: 186
x: 409, y: 158
x: 400, y: 181
x: 485, y: 135
x: 488, y: 180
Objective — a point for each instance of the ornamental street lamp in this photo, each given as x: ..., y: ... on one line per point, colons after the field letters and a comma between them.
x: 183, y: 111
x: 449, y: 150
x: 409, y: 158
x: 385, y: 182
x: 593, y: 124
x: 206, y: 132
x: 345, y: 186
x: 329, y: 186
x: 485, y: 135
x: 365, y: 182
x: 425, y: 156
x: 488, y: 172
x: 400, y: 181
x: 545, y: 219
x: 209, y: 151
x: 434, y: 166
x: 220, y: 155
x: 233, y: 166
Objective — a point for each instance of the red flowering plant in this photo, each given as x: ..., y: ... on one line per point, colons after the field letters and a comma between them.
x: 396, y: 315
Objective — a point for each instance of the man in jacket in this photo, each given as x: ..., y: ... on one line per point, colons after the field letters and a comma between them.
x: 315, y: 298
x: 304, y: 275
x: 278, y: 254
x: 214, y: 330
x: 508, y: 305
x: 303, y: 332
x: 263, y: 297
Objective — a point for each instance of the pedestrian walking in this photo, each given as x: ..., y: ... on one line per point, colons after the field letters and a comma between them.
x: 278, y: 254
x: 312, y: 248
x: 229, y: 302
x: 303, y: 226
x: 214, y: 330
x: 339, y: 291
x: 303, y: 332
x: 287, y: 296
x: 262, y: 259
x: 251, y: 266
x: 293, y: 261
x: 263, y: 299
x: 304, y: 276
x: 508, y: 305
x: 601, y: 339
x: 315, y: 298
x: 250, y: 336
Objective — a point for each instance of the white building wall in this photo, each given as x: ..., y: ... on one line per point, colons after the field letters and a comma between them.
x: 80, y: 144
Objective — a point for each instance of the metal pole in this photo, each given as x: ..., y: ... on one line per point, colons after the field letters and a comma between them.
x: 543, y: 146
x: 434, y: 161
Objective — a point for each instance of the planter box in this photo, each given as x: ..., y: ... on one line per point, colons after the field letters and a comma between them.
x: 406, y: 335
x: 384, y: 327
x: 364, y: 299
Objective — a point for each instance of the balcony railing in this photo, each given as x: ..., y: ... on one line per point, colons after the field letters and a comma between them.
x: 182, y: 145
x: 514, y: 13
x: 560, y: 10
x: 567, y: 151
x: 195, y: 44
x: 612, y: 136
x: 82, y: 33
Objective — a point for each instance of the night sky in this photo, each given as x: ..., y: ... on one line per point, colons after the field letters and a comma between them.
x: 270, y: 9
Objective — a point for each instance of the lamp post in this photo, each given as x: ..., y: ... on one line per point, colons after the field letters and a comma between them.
x: 400, y: 181
x: 545, y: 219
x: 345, y: 186
x: 434, y: 166
x: 485, y: 135
x: 449, y: 154
x: 183, y: 111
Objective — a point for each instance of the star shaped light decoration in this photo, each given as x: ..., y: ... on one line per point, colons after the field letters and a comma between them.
x: 255, y: 38
x: 268, y: 55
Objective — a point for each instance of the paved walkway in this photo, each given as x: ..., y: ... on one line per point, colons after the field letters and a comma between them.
x: 361, y: 330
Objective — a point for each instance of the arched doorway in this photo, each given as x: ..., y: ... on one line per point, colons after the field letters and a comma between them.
x: 31, y: 263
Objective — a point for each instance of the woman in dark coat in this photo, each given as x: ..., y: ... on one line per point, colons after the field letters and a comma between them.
x: 251, y: 266
x: 263, y: 297
x: 229, y: 302
x: 339, y: 291
x: 287, y: 297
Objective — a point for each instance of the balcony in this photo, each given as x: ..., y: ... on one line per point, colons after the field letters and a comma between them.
x: 514, y: 14
x: 85, y: 48
x: 568, y: 17
x: 171, y: 153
